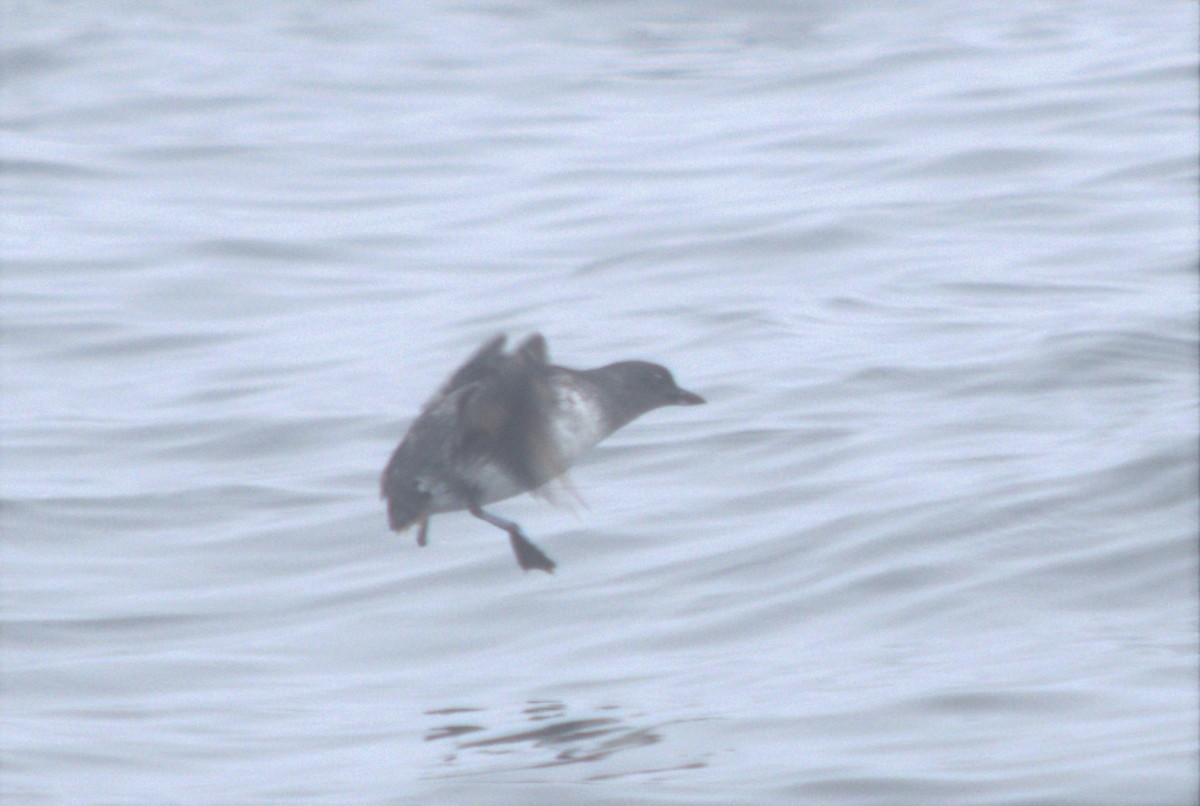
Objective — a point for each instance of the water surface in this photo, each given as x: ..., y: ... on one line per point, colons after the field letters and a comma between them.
x: 934, y: 538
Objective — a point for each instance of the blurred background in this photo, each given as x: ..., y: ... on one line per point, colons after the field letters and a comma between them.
x: 934, y: 266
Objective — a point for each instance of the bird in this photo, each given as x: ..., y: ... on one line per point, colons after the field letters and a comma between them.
x: 505, y: 423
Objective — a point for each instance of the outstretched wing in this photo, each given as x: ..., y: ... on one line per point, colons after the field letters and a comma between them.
x: 509, y: 414
x: 534, y: 349
x: 482, y: 363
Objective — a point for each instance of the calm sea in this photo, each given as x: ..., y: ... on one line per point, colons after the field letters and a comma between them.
x: 933, y: 540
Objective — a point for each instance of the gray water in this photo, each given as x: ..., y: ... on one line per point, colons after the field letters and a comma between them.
x: 933, y: 540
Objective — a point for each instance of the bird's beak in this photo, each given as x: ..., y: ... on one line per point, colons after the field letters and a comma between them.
x: 683, y: 397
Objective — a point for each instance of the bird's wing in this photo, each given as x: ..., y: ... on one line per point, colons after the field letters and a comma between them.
x: 482, y: 363
x: 534, y: 349
x: 508, y: 413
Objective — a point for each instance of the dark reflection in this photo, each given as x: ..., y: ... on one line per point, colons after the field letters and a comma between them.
x: 547, y: 737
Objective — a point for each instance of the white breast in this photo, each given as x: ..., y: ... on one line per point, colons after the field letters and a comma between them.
x: 579, y: 424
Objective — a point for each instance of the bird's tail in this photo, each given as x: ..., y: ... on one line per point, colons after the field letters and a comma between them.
x: 405, y: 504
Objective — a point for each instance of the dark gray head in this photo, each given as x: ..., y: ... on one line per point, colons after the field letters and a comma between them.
x: 632, y: 388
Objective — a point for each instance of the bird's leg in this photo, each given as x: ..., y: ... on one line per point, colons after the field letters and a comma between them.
x: 423, y: 531
x: 528, y: 555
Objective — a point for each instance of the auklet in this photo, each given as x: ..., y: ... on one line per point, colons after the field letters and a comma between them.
x: 507, y: 423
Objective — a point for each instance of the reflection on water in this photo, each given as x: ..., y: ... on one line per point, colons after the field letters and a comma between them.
x: 548, y: 737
